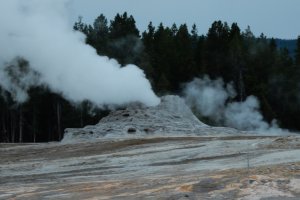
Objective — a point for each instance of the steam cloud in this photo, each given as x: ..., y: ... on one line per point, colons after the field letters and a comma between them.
x: 210, y: 98
x: 59, y: 58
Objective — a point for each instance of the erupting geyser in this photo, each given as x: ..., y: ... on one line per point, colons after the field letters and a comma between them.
x: 38, y: 32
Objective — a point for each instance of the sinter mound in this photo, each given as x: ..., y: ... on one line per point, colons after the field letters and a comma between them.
x: 172, y: 117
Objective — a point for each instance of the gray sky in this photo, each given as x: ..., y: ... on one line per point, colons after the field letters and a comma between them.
x: 275, y: 18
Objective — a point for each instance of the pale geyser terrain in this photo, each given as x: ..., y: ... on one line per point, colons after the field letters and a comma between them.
x: 161, y: 152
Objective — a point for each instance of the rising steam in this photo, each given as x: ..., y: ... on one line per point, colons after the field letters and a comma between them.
x: 37, y: 31
x: 211, y: 99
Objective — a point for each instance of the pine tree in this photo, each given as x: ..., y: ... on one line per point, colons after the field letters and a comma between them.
x: 122, y: 26
x: 148, y: 39
x: 125, y: 44
x: 216, y: 49
x: 236, y: 68
x: 164, y: 54
x: 297, y: 56
x: 184, y: 69
x: 99, y: 35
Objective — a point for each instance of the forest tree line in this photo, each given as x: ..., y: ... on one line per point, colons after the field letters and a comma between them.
x: 170, y: 57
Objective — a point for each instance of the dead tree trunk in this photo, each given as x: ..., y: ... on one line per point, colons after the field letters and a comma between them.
x: 12, y: 126
x: 241, y: 86
x: 20, y: 125
x: 58, y: 115
x: 3, y: 129
x: 34, y: 124
x: 81, y: 115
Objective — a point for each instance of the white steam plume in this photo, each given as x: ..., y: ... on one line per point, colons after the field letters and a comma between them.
x: 211, y: 99
x: 39, y: 32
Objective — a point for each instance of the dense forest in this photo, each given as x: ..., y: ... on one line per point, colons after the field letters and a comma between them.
x: 170, y: 57
x: 289, y: 44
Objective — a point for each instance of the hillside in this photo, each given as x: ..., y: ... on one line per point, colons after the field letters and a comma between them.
x: 289, y: 44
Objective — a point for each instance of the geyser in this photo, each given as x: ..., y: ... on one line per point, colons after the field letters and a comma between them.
x: 39, y: 32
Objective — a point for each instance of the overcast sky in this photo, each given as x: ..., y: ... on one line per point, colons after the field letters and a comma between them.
x: 275, y: 18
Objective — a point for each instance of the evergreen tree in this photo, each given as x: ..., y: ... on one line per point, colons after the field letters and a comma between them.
x: 125, y: 44
x: 194, y: 32
x: 297, y: 56
x: 163, y: 58
x: 184, y: 69
x: 236, y: 69
x: 216, y: 49
x: 82, y: 27
x: 174, y: 30
x: 122, y: 26
x: 100, y: 34
x: 148, y: 41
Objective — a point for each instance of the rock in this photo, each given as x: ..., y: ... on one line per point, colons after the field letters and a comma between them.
x: 172, y: 117
x: 131, y: 130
